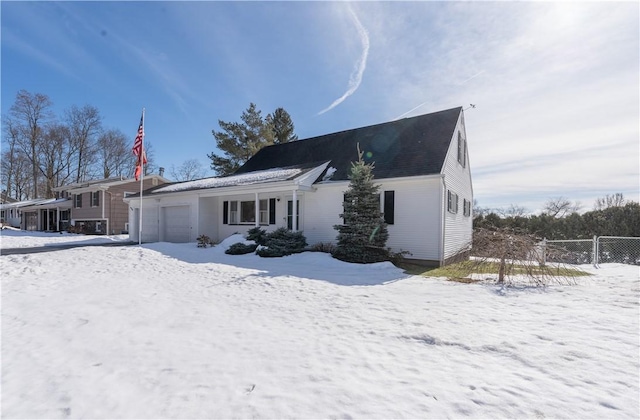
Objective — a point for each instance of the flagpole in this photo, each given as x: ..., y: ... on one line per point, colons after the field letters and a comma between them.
x: 141, y: 160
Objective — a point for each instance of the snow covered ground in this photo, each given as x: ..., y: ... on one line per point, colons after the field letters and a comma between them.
x: 175, y: 331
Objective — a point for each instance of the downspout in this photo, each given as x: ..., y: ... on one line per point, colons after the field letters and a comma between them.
x: 103, y: 216
x: 443, y: 215
x: 110, y: 210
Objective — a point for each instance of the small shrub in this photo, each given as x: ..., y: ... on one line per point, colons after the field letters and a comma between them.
x: 282, y: 242
x: 74, y: 229
x: 241, y: 248
x: 257, y: 235
x: 203, y: 241
x: 327, y: 247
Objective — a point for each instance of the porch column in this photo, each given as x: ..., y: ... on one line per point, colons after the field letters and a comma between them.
x: 47, y: 219
x: 257, y: 211
x: 103, y: 199
x: 57, y: 219
x: 294, y: 212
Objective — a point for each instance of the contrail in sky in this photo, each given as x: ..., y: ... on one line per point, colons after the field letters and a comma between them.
x: 358, y: 71
x: 461, y: 83
x: 409, y: 111
x: 472, y: 77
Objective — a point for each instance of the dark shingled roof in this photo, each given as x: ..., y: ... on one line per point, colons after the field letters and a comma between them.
x: 406, y: 147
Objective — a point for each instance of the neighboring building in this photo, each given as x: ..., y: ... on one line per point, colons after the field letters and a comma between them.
x: 53, y: 214
x: 421, y: 164
x: 94, y: 207
x: 11, y: 211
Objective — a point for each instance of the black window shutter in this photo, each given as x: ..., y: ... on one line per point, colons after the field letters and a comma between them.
x: 225, y: 212
x: 272, y: 211
x: 389, y: 206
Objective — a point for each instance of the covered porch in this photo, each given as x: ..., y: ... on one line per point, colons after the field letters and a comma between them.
x: 51, y: 215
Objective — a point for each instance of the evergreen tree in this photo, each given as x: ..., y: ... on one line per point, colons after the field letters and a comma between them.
x: 240, y: 141
x: 363, y: 236
x: 282, y: 126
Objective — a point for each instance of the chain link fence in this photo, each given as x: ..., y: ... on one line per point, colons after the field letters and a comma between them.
x: 618, y: 249
x: 599, y: 250
x: 571, y: 251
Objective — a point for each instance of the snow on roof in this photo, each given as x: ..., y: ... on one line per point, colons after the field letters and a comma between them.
x: 24, y: 203
x: 256, y: 177
x: 48, y: 203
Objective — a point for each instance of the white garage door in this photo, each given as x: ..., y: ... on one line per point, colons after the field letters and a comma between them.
x: 149, y: 224
x: 177, y: 224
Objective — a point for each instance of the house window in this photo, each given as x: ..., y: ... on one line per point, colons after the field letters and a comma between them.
x: 466, y: 207
x: 389, y: 206
x: 95, y: 199
x: 233, y: 213
x: 264, y: 212
x: 241, y: 212
x: 462, y: 152
x: 77, y: 201
x: 247, y: 212
x: 452, y: 202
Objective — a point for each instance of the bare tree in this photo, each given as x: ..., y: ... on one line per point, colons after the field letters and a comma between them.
x: 560, y: 207
x: 55, y: 156
x: 30, y: 113
x: 85, y: 125
x: 479, y: 211
x: 513, y: 210
x: 11, y: 136
x: 189, y: 170
x: 517, y: 254
x: 22, y: 184
x: 114, y: 154
x: 610, y: 200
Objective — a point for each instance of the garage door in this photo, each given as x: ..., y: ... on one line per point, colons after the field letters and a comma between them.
x: 149, y: 224
x: 177, y: 224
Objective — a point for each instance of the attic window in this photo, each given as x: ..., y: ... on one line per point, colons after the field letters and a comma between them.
x: 462, y: 150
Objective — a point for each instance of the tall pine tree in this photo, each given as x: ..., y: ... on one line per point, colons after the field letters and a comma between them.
x: 363, y: 236
x: 240, y: 141
x: 282, y: 126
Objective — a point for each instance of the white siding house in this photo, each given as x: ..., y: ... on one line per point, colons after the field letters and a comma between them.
x: 421, y: 164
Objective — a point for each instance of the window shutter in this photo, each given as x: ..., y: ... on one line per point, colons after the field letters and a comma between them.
x: 225, y: 212
x: 389, y: 206
x: 272, y: 211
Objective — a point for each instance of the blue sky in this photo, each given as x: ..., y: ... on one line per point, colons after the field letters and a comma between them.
x: 555, y: 84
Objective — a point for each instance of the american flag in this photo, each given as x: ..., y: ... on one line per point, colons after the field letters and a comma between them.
x: 138, y: 149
